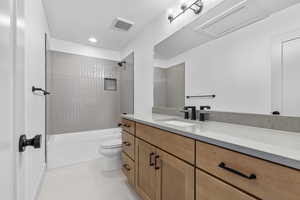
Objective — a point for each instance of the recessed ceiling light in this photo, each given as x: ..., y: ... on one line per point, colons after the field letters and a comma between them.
x: 92, y: 40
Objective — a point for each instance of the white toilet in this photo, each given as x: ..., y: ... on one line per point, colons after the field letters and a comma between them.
x: 111, y: 154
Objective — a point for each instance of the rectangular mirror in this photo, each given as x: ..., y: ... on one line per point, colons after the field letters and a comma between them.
x: 241, y: 56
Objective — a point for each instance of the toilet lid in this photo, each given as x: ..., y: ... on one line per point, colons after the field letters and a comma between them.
x: 111, y: 144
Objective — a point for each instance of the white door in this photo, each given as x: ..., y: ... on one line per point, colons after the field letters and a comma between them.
x: 35, y: 29
x: 12, y: 105
x: 22, y: 65
x: 286, y: 74
x: 291, y: 77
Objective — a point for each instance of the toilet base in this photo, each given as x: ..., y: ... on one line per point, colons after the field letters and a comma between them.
x: 110, y: 164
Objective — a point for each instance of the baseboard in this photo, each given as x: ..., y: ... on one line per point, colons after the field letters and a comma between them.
x: 39, y: 187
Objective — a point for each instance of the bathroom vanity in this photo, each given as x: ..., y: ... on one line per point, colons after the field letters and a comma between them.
x: 209, y: 160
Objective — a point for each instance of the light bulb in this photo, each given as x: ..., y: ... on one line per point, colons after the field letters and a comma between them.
x: 170, y: 14
x: 183, y: 5
x: 92, y: 40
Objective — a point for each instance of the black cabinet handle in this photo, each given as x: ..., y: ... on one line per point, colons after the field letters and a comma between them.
x: 155, y: 162
x: 223, y: 166
x: 121, y: 124
x: 124, y: 125
x: 125, y: 166
x: 127, y: 144
x: 151, y: 163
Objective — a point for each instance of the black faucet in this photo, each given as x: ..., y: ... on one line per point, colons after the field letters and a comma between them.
x: 186, y: 112
x: 202, y: 113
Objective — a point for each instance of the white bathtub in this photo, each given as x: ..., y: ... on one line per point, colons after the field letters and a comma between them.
x: 73, y: 148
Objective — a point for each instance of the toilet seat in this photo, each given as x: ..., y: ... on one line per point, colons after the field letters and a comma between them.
x: 112, y: 144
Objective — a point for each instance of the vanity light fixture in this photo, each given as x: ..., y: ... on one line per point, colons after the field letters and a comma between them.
x: 183, y: 5
x: 196, y: 7
x: 170, y: 15
x: 93, y: 40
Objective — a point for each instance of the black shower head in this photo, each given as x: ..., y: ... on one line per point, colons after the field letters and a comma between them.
x: 122, y: 63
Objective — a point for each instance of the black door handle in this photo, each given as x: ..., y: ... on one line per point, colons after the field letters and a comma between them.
x: 34, y: 89
x: 34, y: 142
x: 223, y: 166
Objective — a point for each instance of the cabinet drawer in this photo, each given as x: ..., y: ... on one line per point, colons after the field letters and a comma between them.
x: 128, y: 168
x: 176, y: 178
x: 179, y: 146
x: 128, y: 144
x: 210, y: 188
x: 272, y: 181
x: 128, y: 126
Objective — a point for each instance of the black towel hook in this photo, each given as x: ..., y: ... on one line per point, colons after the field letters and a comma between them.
x: 34, y: 89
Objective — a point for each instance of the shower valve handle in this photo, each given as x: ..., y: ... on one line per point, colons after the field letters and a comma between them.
x: 34, y: 89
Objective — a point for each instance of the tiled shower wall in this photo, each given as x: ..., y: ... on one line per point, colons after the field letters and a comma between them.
x: 78, y: 101
x: 160, y: 87
x: 169, y: 86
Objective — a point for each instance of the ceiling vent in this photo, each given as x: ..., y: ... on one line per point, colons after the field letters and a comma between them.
x: 240, y: 15
x: 122, y: 24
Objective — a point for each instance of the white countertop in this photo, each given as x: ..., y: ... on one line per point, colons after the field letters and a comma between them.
x: 276, y: 146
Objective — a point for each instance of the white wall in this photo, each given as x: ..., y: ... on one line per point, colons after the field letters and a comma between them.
x: 35, y: 28
x: 90, y: 51
x: 143, y: 45
x: 237, y: 67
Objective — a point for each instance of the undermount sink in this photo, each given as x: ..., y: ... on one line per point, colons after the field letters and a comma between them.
x: 179, y: 123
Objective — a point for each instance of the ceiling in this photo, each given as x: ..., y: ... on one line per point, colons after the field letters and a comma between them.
x: 78, y: 20
x: 192, y: 36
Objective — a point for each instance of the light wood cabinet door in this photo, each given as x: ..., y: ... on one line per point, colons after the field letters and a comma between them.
x: 175, y: 178
x: 128, y: 168
x: 128, y: 144
x: 182, y: 147
x: 210, y: 188
x: 146, y: 185
x: 128, y: 126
